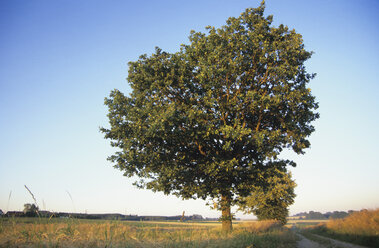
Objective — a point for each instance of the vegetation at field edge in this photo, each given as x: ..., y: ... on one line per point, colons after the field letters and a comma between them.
x: 361, y: 228
x: 29, y: 232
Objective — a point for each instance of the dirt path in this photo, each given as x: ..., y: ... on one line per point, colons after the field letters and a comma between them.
x: 332, y: 243
x: 306, y: 243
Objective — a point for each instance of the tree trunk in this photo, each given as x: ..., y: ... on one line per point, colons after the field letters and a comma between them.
x: 226, y: 214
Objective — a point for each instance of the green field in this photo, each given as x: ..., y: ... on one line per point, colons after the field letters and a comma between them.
x: 34, y: 232
x: 304, y: 223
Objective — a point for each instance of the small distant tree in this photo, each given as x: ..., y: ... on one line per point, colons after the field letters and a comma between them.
x: 30, y: 210
x: 338, y: 215
x: 1, y: 212
x: 182, y: 218
x: 197, y: 217
x: 271, y: 199
x: 206, y: 121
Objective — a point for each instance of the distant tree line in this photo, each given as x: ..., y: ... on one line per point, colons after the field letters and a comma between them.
x: 312, y: 215
x: 48, y: 214
x: 31, y: 210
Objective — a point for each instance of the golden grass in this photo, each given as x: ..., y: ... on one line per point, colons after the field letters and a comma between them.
x: 259, y: 226
x: 82, y: 233
x: 361, y: 228
x: 75, y: 233
x: 365, y: 222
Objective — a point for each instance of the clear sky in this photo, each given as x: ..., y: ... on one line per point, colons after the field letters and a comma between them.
x: 59, y: 59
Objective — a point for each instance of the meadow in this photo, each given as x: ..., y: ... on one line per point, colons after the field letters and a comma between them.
x: 304, y: 223
x: 41, y: 232
x: 361, y: 228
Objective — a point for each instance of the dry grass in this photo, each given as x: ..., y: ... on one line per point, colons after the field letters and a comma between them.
x: 260, y: 226
x: 83, y: 233
x: 365, y: 222
x: 93, y: 234
x: 361, y: 228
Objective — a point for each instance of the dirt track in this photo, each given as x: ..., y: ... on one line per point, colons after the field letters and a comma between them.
x: 306, y: 243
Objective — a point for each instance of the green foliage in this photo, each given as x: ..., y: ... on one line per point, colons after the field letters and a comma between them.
x: 312, y: 215
x: 336, y: 215
x: 206, y: 121
x: 271, y: 200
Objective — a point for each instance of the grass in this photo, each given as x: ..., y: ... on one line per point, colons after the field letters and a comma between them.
x: 361, y: 228
x: 304, y: 223
x: 34, y: 232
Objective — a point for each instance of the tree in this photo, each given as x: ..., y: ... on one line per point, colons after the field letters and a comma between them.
x: 315, y: 216
x: 205, y: 122
x: 271, y: 199
x: 30, y: 210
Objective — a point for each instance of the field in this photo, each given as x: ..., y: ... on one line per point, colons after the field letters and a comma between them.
x: 360, y: 228
x: 304, y: 223
x: 34, y: 232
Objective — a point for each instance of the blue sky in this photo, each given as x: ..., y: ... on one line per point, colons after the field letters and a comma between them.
x: 59, y: 59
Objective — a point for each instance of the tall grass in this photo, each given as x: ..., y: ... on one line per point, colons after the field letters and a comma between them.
x: 29, y: 232
x: 260, y: 226
x: 365, y: 222
x: 360, y: 227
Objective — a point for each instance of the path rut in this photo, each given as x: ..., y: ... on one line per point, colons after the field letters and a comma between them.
x: 306, y: 243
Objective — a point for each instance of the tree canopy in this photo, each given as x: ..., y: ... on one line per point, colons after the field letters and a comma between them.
x: 271, y: 199
x: 204, y: 122
x: 30, y: 210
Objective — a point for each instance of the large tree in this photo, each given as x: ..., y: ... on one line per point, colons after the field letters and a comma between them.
x: 206, y: 121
